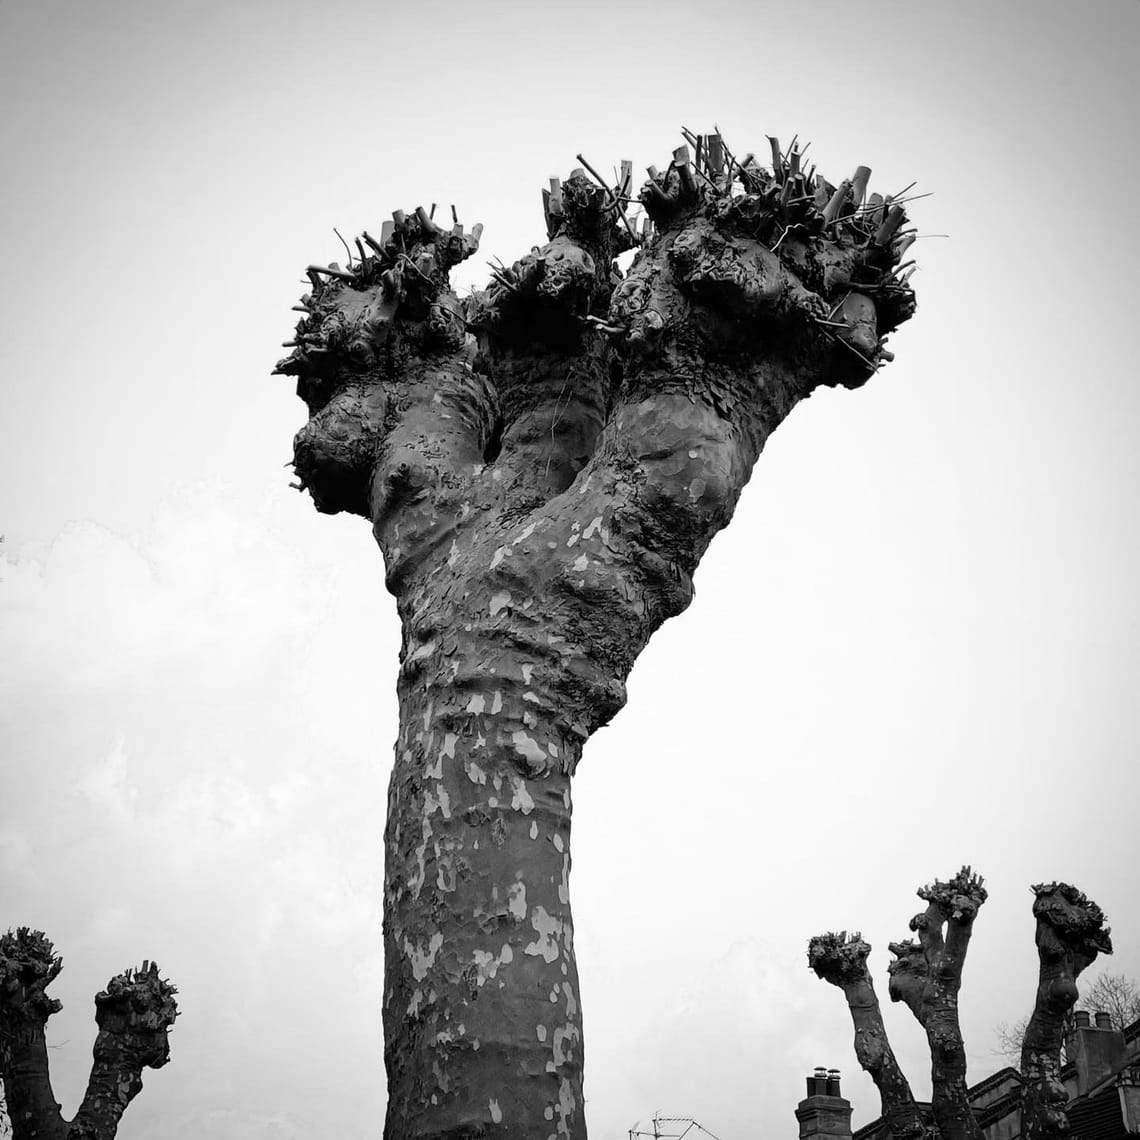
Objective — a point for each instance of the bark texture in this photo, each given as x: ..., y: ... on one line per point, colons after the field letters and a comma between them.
x: 842, y: 960
x: 543, y: 465
x: 1071, y: 932
x: 134, y: 1015
x: 927, y: 976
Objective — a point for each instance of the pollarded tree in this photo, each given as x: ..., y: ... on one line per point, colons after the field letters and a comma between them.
x: 926, y: 976
x: 543, y: 465
x: 134, y: 1015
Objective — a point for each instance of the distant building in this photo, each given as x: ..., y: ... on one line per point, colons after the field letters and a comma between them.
x: 1102, y: 1078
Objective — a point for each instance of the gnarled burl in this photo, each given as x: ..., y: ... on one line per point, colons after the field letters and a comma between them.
x: 543, y: 464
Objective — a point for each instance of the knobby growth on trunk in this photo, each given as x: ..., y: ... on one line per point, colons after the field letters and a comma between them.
x: 134, y: 1015
x: 1070, y: 934
x: 926, y: 975
x: 543, y: 465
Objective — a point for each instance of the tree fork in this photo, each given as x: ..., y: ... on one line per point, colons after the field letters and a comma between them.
x: 543, y: 465
x: 927, y: 977
x: 134, y: 1015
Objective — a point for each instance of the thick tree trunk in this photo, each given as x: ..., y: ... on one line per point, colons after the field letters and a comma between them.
x: 1070, y: 934
x: 481, y: 1005
x: 32, y: 1107
x: 542, y: 492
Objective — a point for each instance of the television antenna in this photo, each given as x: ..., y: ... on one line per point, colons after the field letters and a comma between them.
x: 688, y: 1122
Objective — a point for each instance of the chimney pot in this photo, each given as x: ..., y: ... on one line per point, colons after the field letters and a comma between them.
x: 824, y: 1114
x: 1097, y: 1051
x: 1081, y: 1019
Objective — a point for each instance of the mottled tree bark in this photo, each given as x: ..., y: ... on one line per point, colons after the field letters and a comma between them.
x: 927, y: 977
x: 134, y: 1015
x: 1070, y: 934
x: 842, y: 961
x: 543, y: 465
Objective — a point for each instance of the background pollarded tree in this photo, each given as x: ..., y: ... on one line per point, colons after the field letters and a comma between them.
x: 926, y: 976
x: 134, y: 1015
x: 543, y: 465
x: 1115, y: 994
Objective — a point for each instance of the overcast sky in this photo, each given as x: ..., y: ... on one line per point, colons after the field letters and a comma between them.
x: 915, y: 647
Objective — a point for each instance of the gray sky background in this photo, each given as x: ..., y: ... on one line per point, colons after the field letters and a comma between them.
x: 915, y: 647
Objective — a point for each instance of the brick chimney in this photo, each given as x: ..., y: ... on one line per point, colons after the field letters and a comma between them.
x: 1097, y: 1050
x: 824, y: 1114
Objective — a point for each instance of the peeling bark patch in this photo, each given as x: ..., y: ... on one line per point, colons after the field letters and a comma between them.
x: 521, y: 798
x: 566, y: 1106
x: 563, y: 1043
x: 516, y: 901
x: 531, y: 751
x: 422, y: 960
x: 487, y: 964
x: 434, y: 803
x: 548, y: 929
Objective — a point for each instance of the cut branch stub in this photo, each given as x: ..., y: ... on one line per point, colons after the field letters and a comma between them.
x: 392, y: 337
x: 351, y: 312
x: 908, y: 973
x: 135, y: 1014
x: 28, y: 965
x: 545, y: 296
x: 806, y: 274
x: 1070, y: 925
x: 958, y: 899
x: 840, y: 959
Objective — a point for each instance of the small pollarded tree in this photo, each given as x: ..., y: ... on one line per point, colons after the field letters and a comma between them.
x: 926, y: 976
x: 543, y: 465
x: 134, y: 1015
